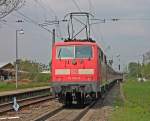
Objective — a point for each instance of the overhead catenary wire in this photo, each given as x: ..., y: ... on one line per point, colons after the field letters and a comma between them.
x: 15, y: 15
x: 30, y: 20
x: 99, y: 21
x: 48, y: 22
x: 91, y: 7
x: 39, y: 3
x: 33, y: 21
x: 77, y: 6
x: 4, y: 22
x: 46, y: 8
x: 133, y: 19
x: 49, y: 8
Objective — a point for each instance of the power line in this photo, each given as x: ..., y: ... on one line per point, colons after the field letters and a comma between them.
x: 133, y: 19
x: 51, y: 9
x: 56, y: 19
x: 33, y: 21
x: 76, y: 5
x: 91, y: 7
x: 23, y: 18
x: 99, y: 21
x: 47, y: 22
x: 5, y: 22
x: 42, y: 6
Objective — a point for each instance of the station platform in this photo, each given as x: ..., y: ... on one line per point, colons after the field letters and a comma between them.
x: 18, y: 91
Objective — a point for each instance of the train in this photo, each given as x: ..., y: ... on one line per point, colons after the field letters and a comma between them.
x: 80, y: 72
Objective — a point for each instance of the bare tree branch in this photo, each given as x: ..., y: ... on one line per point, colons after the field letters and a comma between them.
x: 2, y: 2
x: 7, y: 6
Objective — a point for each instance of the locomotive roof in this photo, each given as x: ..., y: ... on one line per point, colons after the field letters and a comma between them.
x: 62, y: 43
x: 74, y: 43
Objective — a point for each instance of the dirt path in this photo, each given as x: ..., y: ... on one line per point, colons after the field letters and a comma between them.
x: 103, y: 109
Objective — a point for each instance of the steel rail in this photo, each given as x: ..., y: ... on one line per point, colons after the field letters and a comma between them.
x: 49, y: 114
x: 24, y: 102
x: 81, y: 114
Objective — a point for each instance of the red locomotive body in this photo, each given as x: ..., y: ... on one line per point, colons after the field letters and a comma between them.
x: 74, y: 61
x: 78, y: 69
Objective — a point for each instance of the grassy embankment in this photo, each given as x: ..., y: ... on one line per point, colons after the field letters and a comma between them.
x: 136, y: 106
x: 41, y: 80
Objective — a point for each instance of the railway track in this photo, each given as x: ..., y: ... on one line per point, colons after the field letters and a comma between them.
x: 63, y: 113
x: 4, y: 108
x: 32, y: 111
x: 52, y: 110
x: 72, y: 113
x: 24, y: 98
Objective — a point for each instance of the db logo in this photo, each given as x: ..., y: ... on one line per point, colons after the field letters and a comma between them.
x: 74, y: 71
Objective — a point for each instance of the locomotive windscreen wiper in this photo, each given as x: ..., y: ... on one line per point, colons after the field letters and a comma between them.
x: 59, y: 56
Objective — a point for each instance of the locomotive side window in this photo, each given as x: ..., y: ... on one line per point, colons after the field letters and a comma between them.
x: 105, y: 60
x: 99, y: 54
x: 102, y: 56
x: 83, y: 52
x: 65, y: 52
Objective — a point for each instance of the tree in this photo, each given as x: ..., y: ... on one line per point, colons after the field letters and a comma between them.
x: 7, y: 6
x: 134, y: 69
x: 146, y: 70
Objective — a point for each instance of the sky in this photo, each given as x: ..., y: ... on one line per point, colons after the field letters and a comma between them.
x: 128, y: 37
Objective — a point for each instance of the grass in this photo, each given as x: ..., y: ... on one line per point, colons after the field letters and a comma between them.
x: 40, y: 80
x: 137, y: 102
x: 7, y: 86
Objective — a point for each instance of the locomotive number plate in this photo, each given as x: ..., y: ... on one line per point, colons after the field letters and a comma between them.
x: 74, y: 71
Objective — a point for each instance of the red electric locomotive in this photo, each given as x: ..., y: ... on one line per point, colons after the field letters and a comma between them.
x: 79, y: 68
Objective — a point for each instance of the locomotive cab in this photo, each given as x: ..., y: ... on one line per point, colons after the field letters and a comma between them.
x: 74, y: 72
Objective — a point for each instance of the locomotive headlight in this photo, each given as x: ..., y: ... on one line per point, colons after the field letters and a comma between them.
x: 86, y: 71
x: 62, y: 71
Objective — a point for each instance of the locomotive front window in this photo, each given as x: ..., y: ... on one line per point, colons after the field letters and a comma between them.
x: 70, y: 52
x: 65, y: 52
x: 83, y: 52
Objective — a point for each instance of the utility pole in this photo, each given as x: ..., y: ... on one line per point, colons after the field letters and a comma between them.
x: 143, y: 59
x: 17, y: 60
x: 143, y: 65
x: 118, y: 56
x: 53, y: 37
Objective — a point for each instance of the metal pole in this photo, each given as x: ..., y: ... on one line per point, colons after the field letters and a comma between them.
x: 118, y: 56
x: 16, y: 59
x: 53, y: 38
x: 119, y: 63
